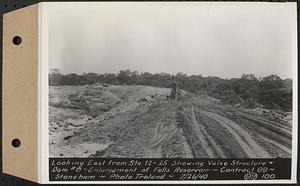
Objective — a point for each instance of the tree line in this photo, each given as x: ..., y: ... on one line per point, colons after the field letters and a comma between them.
x: 270, y: 92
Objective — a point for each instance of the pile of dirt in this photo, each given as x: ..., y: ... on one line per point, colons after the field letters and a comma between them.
x: 74, y: 102
x: 83, y: 150
x: 279, y: 116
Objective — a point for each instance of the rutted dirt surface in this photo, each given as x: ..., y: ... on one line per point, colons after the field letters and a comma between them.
x: 139, y: 122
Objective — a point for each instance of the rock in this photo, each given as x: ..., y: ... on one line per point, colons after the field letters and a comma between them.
x: 67, y: 135
x: 98, y: 108
x: 142, y: 100
x: 71, y: 128
x: 82, y: 150
x: 67, y: 129
x: 260, y: 111
x: 54, y: 102
x: 289, y: 119
x: 105, y: 109
x: 77, y: 122
x: 51, y: 141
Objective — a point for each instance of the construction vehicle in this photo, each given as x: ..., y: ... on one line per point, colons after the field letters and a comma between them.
x: 175, y: 93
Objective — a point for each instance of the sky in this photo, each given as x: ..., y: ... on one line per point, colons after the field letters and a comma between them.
x: 211, y: 39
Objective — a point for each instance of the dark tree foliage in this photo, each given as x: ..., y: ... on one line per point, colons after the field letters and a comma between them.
x: 270, y: 92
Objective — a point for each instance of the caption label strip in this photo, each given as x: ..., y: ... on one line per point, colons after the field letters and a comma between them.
x: 104, y: 169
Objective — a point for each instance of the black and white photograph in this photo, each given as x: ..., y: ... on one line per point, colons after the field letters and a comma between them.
x: 171, y: 80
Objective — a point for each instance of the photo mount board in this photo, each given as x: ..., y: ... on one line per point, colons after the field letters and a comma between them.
x: 20, y: 93
x: 21, y: 81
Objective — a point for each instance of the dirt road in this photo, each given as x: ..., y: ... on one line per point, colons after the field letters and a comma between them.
x: 210, y: 146
x: 242, y: 137
x: 139, y: 122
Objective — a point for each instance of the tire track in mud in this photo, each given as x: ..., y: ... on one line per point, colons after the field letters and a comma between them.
x: 260, y: 128
x: 210, y: 147
x: 243, y: 138
x: 286, y: 130
x: 275, y: 141
x: 162, y: 133
x: 277, y: 145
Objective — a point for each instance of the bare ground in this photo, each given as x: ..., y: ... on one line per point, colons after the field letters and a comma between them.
x: 139, y: 122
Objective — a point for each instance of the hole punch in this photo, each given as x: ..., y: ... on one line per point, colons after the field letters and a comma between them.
x: 16, y: 143
x: 17, y: 40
